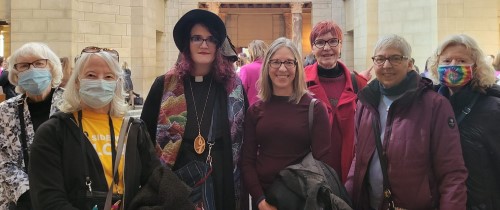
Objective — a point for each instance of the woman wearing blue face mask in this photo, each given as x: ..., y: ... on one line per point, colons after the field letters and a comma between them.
x: 36, y: 71
x: 469, y: 83
x: 76, y: 154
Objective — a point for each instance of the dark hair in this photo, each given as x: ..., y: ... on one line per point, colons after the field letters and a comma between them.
x: 223, y: 68
x: 1, y: 60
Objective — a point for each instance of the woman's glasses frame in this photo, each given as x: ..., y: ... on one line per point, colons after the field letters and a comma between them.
x: 40, y: 63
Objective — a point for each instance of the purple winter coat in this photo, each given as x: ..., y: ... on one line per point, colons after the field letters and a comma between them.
x: 422, y: 143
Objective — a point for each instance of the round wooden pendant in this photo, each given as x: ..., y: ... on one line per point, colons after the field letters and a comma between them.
x: 199, y: 144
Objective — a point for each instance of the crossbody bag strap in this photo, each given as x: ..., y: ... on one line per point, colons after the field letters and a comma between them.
x: 24, y: 140
x: 383, y: 165
x: 468, y: 108
x: 124, y: 133
x: 311, y: 114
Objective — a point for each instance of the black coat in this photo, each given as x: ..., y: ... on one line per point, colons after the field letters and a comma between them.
x: 56, y: 172
x: 480, y: 138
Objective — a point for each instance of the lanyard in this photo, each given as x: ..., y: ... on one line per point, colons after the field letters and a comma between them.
x: 113, y: 150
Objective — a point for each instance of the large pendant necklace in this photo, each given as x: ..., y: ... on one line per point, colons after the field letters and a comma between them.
x: 199, y: 141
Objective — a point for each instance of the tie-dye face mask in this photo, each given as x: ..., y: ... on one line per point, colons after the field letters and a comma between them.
x: 455, y: 75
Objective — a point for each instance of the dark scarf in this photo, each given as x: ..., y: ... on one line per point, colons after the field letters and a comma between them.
x: 330, y: 73
x: 408, y: 83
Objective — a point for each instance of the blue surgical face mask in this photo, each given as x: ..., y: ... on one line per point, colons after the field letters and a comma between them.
x: 35, y: 80
x: 97, y: 93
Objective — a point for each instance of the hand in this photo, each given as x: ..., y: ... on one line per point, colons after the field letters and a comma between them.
x: 263, y: 205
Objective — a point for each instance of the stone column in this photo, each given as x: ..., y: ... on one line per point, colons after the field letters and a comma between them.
x: 223, y: 17
x: 287, y: 18
x: 214, y: 7
x: 297, y: 24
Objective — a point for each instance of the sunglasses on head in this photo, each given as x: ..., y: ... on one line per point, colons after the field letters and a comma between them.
x: 93, y: 49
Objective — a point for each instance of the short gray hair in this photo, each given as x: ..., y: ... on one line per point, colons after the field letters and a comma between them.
x: 395, y: 42
x: 71, y: 96
x: 42, y: 51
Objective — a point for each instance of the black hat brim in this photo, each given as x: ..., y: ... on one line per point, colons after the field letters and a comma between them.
x: 182, y: 29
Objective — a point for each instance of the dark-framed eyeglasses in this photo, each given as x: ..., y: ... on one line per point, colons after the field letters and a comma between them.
x: 198, y: 40
x: 289, y: 64
x: 94, y: 49
x: 393, y: 59
x: 320, y: 43
x: 40, y: 63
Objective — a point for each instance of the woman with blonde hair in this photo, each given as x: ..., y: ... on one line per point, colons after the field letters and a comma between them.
x: 36, y: 71
x: 79, y: 159
x: 468, y: 81
x: 249, y: 74
x: 270, y: 143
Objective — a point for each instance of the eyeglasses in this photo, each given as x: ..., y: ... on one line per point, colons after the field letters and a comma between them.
x: 93, y: 49
x: 198, y: 40
x: 320, y: 43
x: 289, y: 64
x: 40, y: 63
x: 393, y: 59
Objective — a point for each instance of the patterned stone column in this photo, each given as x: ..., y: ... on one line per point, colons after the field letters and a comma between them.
x: 223, y: 17
x: 214, y: 7
x: 297, y: 24
x: 287, y: 18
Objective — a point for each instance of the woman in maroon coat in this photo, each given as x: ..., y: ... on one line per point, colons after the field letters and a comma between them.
x: 418, y: 137
x: 276, y: 127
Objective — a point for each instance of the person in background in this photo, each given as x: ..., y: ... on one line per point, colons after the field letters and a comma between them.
x: 36, y: 71
x: 195, y: 111
x: 249, y: 74
x: 66, y: 69
x: 309, y: 60
x: 7, y: 88
x: 129, y: 86
x: 283, y: 94
x: 468, y: 81
x: 75, y: 151
x: 334, y: 84
x: 419, y: 153
x: 496, y: 66
x: 415, y: 67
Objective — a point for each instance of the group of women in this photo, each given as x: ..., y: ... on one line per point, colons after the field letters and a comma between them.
x: 199, y: 145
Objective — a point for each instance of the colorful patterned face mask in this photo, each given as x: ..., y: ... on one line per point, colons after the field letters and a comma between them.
x: 455, y: 75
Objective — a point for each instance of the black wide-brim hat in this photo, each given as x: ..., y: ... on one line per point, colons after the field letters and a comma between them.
x: 182, y: 29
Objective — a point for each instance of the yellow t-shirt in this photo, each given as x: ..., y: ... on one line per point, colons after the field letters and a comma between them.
x: 96, y: 128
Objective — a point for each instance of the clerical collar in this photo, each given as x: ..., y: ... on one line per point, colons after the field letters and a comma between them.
x: 330, y: 73
x: 201, y: 79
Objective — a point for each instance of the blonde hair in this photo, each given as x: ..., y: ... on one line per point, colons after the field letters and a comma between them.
x: 71, y: 97
x: 42, y: 51
x: 483, y: 73
x: 257, y: 49
x: 265, y: 84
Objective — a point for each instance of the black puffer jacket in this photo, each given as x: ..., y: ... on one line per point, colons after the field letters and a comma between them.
x: 480, y: 138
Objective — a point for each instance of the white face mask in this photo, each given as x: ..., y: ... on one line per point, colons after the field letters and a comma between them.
x: 97, y: 93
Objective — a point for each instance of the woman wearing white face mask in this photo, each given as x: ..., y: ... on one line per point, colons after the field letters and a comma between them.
x: 75, y: 152
x: 36, y: 71
x: 468, y: 81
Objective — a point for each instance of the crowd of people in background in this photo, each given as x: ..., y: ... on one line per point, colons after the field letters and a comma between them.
x: 270, y: 130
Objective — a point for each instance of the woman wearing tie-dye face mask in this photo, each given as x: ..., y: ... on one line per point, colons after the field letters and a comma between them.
x: 468, y: 81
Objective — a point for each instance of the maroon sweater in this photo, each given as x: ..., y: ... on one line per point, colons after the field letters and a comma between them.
x: 276, y: 136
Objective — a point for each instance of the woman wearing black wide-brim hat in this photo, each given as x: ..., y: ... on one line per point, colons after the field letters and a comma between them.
x: 195, y: 112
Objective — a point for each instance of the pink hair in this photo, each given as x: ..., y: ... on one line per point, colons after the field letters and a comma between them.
x: 224, y: 69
